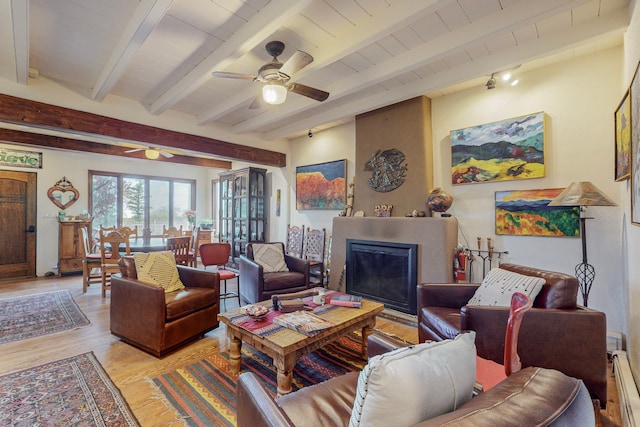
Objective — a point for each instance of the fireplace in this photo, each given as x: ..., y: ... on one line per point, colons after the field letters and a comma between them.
x: 383, y: 271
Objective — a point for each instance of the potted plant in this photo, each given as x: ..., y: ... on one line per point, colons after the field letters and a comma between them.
x: 206, y: 224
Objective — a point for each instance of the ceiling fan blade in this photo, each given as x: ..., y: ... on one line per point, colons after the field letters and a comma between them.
x: 166, y: 154
x: 308, y: 91
x: 135, y: 149
x: 297, y: 62
x: 227, y: 75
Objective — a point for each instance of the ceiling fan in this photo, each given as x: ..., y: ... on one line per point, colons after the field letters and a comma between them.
x: 277, y: 76
x: 152, y: 153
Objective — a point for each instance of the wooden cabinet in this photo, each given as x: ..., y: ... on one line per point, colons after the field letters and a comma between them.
x: 204, y: 236
x: 70, y: 246
x: 243, y: 209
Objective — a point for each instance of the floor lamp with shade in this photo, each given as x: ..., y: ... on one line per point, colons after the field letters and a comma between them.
x: 583, y: 194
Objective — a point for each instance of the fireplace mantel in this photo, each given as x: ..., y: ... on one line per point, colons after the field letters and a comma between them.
x: 437, y: 240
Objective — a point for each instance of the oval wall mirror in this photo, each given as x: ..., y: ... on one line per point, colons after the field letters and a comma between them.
x: 63, y: 194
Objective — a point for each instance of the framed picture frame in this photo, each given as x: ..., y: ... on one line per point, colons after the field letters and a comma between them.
x: 321, y: 186
x: 505, y: 150
x: 634, y: 94
x: 622, y: 119
x: 527, y: 213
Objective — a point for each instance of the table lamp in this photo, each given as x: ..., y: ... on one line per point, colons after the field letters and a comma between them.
x: 583, y: 194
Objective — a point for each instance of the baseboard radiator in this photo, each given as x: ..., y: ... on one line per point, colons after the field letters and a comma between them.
x: 627, y: 390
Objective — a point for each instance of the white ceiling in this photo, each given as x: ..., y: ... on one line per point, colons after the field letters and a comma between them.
x: 368, y: 53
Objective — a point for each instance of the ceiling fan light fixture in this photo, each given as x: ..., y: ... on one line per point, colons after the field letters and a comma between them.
x: 151, y: 154
x: 274, y: 94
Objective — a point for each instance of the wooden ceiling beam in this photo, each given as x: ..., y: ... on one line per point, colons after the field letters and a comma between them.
x: 38, y: 114
x: 49, y: 141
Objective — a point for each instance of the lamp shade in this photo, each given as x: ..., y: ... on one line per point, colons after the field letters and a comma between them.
x: 274, y: 93
x: 151, y: 154
x: 581, y: 194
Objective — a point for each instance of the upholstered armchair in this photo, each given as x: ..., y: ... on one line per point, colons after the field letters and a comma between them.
x: 158, y: 322
x: 270, y: 272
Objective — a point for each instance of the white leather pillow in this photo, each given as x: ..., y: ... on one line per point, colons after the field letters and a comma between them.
x: 270, y: 256
x: 498, y: 286
x: 158, y: 268
x: 416, y: 383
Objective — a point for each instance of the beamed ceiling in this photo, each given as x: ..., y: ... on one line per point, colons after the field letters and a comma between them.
x: 367, y: 54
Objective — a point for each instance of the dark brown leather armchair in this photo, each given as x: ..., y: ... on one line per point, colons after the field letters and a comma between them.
x: 556, y: 333
x: 144, y: 316
x: 256, y: 285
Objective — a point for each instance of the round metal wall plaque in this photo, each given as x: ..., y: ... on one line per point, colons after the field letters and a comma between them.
x: 388, y: 172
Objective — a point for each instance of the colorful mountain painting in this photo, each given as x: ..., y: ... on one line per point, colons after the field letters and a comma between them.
x: 321, y: 186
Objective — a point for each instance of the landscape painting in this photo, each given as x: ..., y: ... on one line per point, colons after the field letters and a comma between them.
x: 526, y: 213
x: 500, y: 151
x: 321, y: 186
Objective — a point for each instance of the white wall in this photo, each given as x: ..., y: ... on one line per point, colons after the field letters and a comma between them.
x: 332, y: 144
x: 579, y: 97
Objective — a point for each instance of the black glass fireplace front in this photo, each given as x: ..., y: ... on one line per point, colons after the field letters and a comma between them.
x: 383, y: 271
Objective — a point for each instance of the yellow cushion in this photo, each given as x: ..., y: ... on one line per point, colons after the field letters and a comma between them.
x: 158, y: 268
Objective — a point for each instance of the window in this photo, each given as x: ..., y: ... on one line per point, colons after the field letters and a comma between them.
x: 143, y: 201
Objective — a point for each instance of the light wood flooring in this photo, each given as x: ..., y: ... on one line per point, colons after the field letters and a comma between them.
x: 130, y: 368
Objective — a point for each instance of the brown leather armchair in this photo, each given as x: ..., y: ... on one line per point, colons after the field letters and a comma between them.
x: 146, y: 317
x: 556, y: 333
x: 256, y: 285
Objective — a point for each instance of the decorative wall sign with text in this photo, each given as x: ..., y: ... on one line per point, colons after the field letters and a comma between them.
x: 20, y: 158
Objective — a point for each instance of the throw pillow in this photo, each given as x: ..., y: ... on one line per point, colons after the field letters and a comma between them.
x: 270, y: 256
x: 158, y: 268
x: 498, y: 286
x: 412, y: 384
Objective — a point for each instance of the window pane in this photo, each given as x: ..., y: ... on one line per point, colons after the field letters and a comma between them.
x: 133, y: 202
x: 182, y: 203
x: 104, y: 200
x: 158, y: 206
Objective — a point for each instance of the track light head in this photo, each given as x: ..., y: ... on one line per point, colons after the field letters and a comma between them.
x: 310, y: 134
x: 491, y: 83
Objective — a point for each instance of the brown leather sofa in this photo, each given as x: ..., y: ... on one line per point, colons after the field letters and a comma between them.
x: 146, y: 317
x: 556, y: 333
x: 256, y: 285
x: 532, y: 396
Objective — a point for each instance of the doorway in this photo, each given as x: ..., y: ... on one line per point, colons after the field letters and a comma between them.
x: 18, y: 203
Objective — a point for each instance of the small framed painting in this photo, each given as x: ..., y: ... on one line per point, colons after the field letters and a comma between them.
x: 526, y: 213
x: 623, y: 139
x: 505, y: 150
x: 635, y: 147
x: 321, y: 186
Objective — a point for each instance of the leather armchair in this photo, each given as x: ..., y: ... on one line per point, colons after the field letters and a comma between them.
x: 146, y: 317
x: 532, y: 396
x: 256, y: 285
x: 556, y: 333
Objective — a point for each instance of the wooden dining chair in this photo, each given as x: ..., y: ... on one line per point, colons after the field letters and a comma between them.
x: 91, y: 261
x: 180, y: 247
x: 295, y: 240
x: 113, y: 245
x: 129, y: 232
x: 171, y: 231
x: 313, y: 251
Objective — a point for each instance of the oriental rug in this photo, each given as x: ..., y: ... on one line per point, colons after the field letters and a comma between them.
x: 70, y: 392
x: 204, y: 393
x: 40, y: 314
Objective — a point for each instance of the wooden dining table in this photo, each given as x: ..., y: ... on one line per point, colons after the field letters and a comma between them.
x: 153, y: 244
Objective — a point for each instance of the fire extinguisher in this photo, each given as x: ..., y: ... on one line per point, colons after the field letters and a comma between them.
x: 460, y: 268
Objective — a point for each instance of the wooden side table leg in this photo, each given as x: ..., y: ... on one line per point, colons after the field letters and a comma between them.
x: 235, y: 355
x: 366, y: 331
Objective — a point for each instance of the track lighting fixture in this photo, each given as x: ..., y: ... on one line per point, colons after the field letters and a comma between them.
x: 491, y: 83
x: 310, y: 134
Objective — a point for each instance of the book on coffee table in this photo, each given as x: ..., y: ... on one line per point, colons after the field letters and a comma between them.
x: 345, y: 300
x: 302, y: 321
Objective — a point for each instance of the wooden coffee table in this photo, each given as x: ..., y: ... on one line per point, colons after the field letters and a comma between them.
x: 287, y: 345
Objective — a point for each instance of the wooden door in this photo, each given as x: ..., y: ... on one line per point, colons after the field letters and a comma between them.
x: 18, y: 224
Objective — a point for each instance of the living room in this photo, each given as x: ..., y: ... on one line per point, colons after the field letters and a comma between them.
x: 578, y: 96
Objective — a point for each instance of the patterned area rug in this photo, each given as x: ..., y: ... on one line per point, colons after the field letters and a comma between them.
x: 40, y: 314
x: 68, y: 392
x: 204, y: 393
